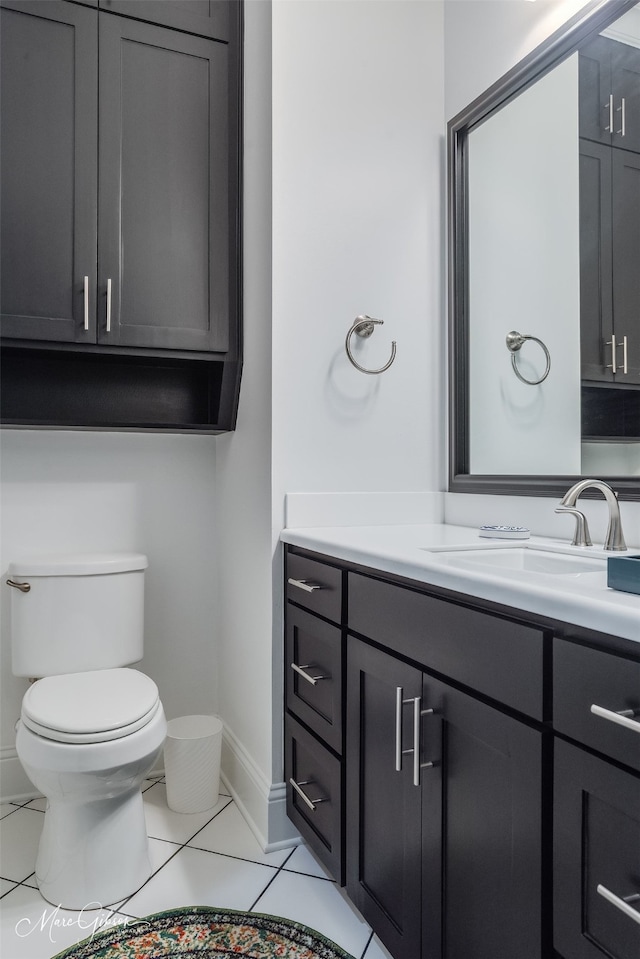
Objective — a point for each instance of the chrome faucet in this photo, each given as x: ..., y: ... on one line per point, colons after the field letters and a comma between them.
x: 614, y: 540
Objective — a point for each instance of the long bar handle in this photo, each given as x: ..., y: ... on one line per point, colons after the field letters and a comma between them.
x: 303, y: 584
x: 612, y: 343
x: 624, y: 354
x: 622, y: 109
x: 622, y: 718
x: 399, y: 704
x: 109, y: 305
x: 621, y: 904
x: 609, y: 105
x: 311, y: 803
x: 300, y: 670
x: 86, y: 304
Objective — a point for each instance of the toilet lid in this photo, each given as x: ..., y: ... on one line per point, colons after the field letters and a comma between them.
x: 91, y: 707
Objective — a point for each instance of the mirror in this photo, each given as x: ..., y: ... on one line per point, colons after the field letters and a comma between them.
x: 544, y: 241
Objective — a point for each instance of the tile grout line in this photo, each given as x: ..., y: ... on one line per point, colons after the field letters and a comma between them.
x: 367, y: 945
x: 273, y: 879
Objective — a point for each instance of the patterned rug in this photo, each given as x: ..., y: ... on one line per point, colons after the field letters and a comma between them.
x: 203, y: 933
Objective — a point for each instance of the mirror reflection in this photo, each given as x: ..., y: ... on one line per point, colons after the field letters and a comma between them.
x: 553, y: 246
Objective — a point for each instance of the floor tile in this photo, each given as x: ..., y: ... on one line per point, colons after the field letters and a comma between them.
x: 375, y: 950
x: 163, y: 823
x: 19, y: 838
x: 303, y: 860
x: 34, y: 929
x: 197, y: 878
x: 6, y: 808
x: 39, y: 804
x: 229, y: 833
x: 318, y: 904
x: 6, y: 885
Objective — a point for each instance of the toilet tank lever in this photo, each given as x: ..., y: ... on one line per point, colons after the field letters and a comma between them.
x: 23, y: 587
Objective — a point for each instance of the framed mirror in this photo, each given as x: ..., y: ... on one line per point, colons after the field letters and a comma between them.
x: 544, y: 266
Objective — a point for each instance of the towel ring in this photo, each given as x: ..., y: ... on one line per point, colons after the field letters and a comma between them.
x: 514, y: 343
x: 364, y: 326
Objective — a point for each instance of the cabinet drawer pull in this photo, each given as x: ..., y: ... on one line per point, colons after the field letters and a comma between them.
x: 300, y: 670
x: 609, y: 106
x: 612, y: 343
x: 622, y: 110
x: 109, y: 305
x: 400, y: 702
x: 303, y: 584
x: 624, y: 718
x: 311, y: 803
x: 625, y: 368
x: 621, y: 904
x: 86, y: 303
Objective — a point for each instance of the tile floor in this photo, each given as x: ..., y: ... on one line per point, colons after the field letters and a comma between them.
x: 203, y: 859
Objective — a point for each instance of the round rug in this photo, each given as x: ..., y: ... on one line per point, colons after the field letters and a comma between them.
x: 200, y: 932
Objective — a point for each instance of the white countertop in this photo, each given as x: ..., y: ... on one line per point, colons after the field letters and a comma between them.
x: 580, y: 598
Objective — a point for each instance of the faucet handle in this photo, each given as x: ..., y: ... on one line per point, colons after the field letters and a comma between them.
x: 581, y: 536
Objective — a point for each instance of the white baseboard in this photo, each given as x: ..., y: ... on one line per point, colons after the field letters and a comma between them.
x: 262, y: 804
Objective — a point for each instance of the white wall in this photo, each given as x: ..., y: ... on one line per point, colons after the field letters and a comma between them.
x: 92, y: 492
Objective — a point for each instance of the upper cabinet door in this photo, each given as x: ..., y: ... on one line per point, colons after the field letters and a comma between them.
x: 209, y: 18
x: 164, y: 221
x: 49, y: 164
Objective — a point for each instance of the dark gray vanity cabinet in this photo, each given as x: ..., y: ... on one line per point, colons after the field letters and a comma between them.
x: 596, y: 803
x: 120, y: 220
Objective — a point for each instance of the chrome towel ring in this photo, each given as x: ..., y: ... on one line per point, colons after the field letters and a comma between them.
x: 514, y: 343
x: 364, y: 326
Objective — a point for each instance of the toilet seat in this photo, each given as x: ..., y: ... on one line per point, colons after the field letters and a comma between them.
x: 93, y: 707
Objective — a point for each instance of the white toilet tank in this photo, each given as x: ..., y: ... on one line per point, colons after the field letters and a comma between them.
x: 81, y: 612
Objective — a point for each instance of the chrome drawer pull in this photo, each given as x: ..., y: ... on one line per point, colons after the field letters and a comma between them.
x: 109, y: 305
x: 86, y: 303
x: 310, y: 679
x: 621, y: 904
x: 400, y: 702
x: 623, y: 718
x: 310, y: 803
x: 303, y: 584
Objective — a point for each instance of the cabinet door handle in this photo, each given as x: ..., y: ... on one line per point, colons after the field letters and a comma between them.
x: 609, y: 106
x: 303, y: 584
x: 621, y: 904
x: 624, y: 354
x: 612, y: 343
x: 86, y: 303
x: 300, y: 670
x: 625, y: 717
x: 400, y: 702
x: 311, y: 803
x: 622, y: 110
x: 109, y: 305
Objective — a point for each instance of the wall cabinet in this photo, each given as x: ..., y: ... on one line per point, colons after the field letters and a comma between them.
x: 439, y: 767
x: 609, y: 255
x: 120, y: 225
x: 609, y: 77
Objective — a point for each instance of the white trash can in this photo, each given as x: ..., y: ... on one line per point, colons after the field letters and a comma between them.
x: 192, y: 762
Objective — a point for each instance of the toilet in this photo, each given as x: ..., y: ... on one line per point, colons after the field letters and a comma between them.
x: 91, y: 728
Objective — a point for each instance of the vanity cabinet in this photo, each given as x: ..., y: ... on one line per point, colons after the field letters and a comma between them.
x: 453, y: 772
x: 596, y: 803
x: 120, y: 226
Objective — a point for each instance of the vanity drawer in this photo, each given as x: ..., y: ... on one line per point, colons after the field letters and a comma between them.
x: 313, y: 664
x: 314, y: 585
x: 318, y: 777
x: 584, y: 677
x: 493, y: 656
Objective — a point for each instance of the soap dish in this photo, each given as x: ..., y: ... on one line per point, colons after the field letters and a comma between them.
x: 504, y: 532
x: 623, y: 572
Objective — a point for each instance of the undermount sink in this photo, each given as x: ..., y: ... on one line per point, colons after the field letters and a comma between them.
x: 524, y: 559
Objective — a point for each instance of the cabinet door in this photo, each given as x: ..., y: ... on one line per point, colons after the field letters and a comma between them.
x: 481, y: 831
x: 49, y: 169
x: 626, y: 262
x: 209, y: 18
x: 596, y: 857
x: 625, y: 71
x: 596, y: 110
x: 164, y: 224
x: 596, y: 293
x: 383, y: 804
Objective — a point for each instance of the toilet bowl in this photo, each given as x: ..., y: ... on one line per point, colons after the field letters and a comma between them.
x: 86, y: 739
